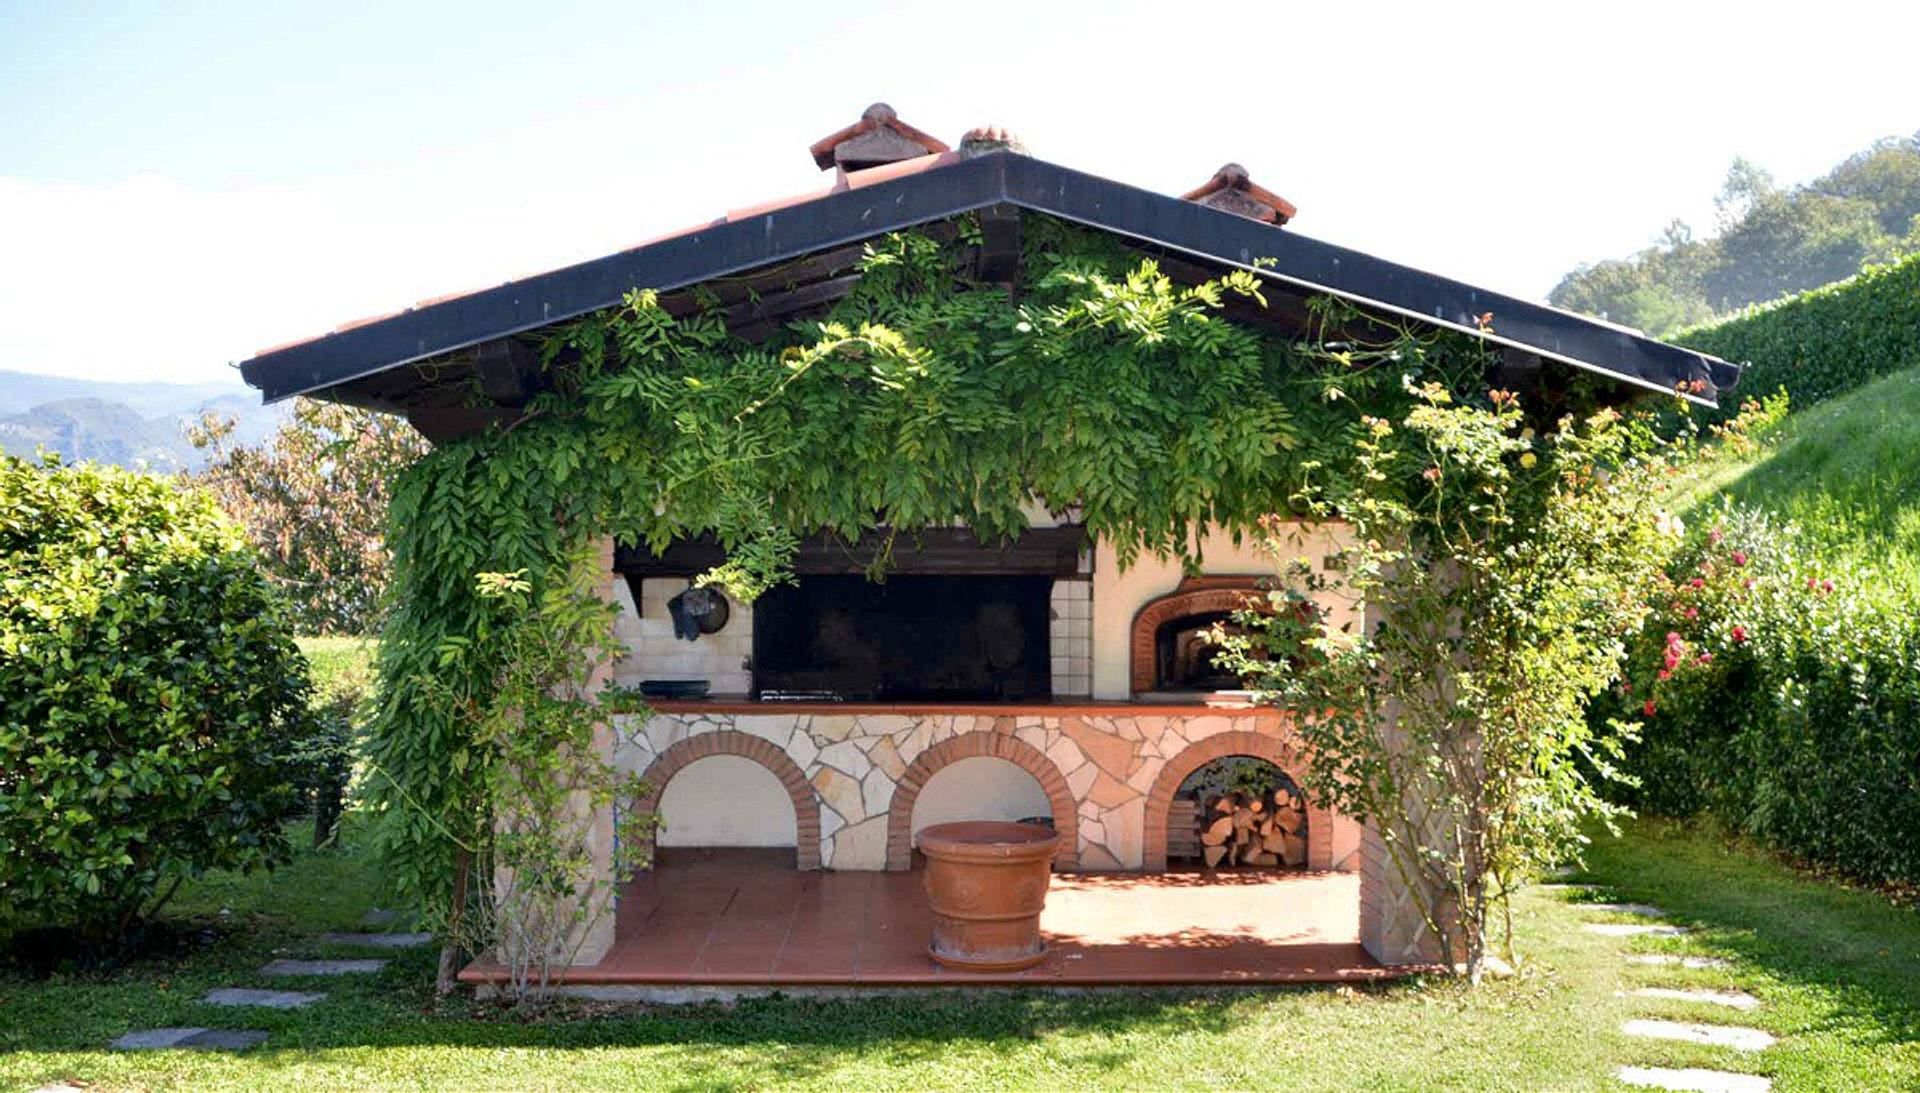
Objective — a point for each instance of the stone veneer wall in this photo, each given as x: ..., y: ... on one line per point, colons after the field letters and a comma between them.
x: 865, y: 769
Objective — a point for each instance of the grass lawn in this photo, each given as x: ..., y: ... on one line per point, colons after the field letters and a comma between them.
x: 1838, y: 971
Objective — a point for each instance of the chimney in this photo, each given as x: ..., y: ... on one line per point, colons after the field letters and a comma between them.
x: 878, y: 137
x: 1230, y: 190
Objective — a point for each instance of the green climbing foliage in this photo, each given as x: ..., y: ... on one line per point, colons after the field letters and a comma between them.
x: 1097, y: 384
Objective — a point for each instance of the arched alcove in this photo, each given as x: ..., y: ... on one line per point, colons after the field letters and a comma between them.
x: 806, y: 808
x: 1273, y: 749
x: 981, y: 744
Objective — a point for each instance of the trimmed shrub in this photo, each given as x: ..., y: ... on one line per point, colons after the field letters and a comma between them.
x: 151, y: 698
x: 1825, y: 342
x: 1780, y: 693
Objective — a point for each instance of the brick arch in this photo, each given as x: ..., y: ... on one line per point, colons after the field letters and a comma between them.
x: 1194, y: 596
x: 1277, y: 750
x: 995, y: 745
x: 806, y: 807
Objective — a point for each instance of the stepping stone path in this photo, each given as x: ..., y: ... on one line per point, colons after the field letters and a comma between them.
x: 1739, y: 1039
x: 1697, y: 963
x: 379, y: 917
x: 1696, y: 1079
x: 278, y: 1000
x: 201, y: 1039
x: 378, y: 941
x: 1644, y: 910
x: 1693, y: 1079
x: 1739, y: 1000
x: 1633, y: 929
x: 322, y: 967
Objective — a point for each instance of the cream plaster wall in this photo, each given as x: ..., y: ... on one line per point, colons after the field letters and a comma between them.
x: 726, y: 800
x: 979, y: 788
x: 654, y: 653
x: 1118, y: 595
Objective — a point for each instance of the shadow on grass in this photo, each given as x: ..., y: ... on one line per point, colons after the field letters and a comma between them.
x: 782, y: 1040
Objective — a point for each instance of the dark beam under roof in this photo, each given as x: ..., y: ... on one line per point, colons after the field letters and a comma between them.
x: 384, y: 347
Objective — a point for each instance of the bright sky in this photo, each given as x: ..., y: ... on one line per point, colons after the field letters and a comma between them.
x: 183, y: 183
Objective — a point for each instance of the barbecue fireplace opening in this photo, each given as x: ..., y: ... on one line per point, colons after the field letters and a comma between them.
x: 912, y: 638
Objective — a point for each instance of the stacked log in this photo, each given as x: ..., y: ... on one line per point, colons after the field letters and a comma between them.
x: 1267, y: 829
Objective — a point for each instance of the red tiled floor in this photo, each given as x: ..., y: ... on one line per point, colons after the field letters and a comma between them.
x: 747, y: 917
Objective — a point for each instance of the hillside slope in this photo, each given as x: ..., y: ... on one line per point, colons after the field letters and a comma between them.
x: 1848, y: 471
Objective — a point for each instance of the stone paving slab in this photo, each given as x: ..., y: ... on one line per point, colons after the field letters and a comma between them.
x: 279, y: 1000
x: 1668, y: 960
x: 1732, y: 999
x: 1739, y: 1039
x: 379, y: 916
x: 378, y: 941
x: 1644, y: 910
x: 1693, y: 1079
x: 201, y: 1039
x: 1633, y: 929
x: 322, y: 967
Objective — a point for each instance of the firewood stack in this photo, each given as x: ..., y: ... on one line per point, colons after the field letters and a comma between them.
x: 1242, y: 829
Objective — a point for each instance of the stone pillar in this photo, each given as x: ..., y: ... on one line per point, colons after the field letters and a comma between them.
x: 595, y: 935
x: 587, y: 940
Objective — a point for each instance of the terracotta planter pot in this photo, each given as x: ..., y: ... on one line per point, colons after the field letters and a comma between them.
x: 987, y: 882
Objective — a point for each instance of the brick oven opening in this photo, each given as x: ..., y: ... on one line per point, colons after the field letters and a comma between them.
x: 1238, y: 812
x: 1185, y: 659
x: 913, y: 638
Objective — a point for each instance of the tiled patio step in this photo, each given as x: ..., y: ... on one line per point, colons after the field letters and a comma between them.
x: 1693, y: 1079
x: 199, y: 1039
x: 322, y: 967
x: 1739, y: 1000
x: 1735, y: 1037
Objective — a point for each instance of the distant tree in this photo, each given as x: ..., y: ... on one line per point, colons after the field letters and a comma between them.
x: 1769, y: 241
x: 1658, y: 290
x: 313, y: 498
x: 1887, y: 176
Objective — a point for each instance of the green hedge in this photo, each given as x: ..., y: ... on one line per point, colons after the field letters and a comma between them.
x: 1825, y: 342
x: 1779, y: 692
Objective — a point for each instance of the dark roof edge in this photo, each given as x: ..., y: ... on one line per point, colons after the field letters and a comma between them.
x: 1366, y: 280
x: 842, y: 218
x: 544, y: 299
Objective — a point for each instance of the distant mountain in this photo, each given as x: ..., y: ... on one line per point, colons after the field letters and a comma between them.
x: 90, y: 428
x: 21, y: 391
x: 136, y: 425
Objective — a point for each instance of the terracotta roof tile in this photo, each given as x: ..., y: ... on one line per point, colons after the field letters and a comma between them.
x: 1232, y: 191
x: 878, y: 137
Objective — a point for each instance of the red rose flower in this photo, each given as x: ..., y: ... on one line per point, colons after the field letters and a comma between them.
x: 1739, y: 634
x: 1648, y: 708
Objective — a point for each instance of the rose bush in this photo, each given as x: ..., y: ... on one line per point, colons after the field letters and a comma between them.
x: 1779, y: 692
